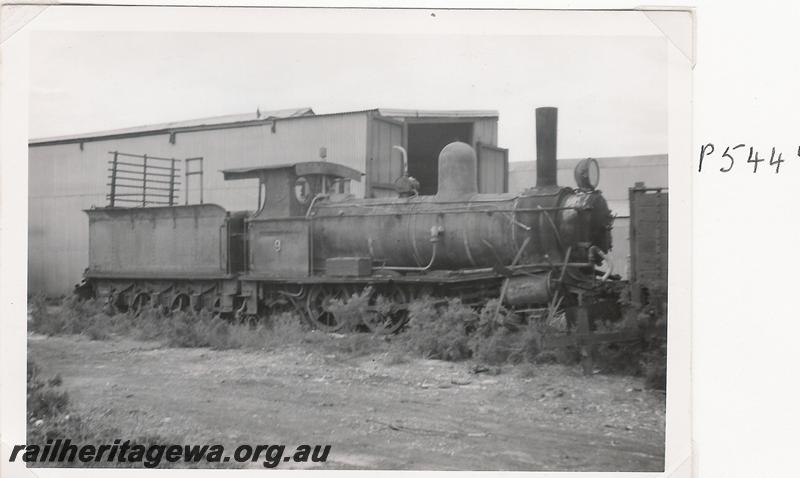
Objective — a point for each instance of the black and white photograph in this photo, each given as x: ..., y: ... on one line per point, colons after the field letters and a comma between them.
x: 369, y: 239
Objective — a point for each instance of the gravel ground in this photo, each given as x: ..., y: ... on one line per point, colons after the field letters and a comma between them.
x: 378, y: 411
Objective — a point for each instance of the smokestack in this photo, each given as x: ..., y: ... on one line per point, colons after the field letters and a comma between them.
x: 546, y: 137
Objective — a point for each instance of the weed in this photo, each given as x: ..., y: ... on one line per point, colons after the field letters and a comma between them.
x: 395, y: 357
x: 654, y: 364
x: 207, y: 330
x: 44, y: 398
x: 437, y: 329
x: 285, y: 328
x: 547, y: 357
x: 454, y: 331
x: 352, y: 310
x: 440, y: 331
x: 619, y: 358
x: 501, y: 337
x: 71, y: 317
x: 49, y: 418
x: 526, y: 370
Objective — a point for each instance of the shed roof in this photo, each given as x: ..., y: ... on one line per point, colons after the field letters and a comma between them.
x: 250, y: 119
x: 178, y: 126
x: 401, y: 113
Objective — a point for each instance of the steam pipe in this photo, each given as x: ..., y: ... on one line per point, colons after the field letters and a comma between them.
x: 415, y: 269
x: 404, y: 166
x: 313, y: 202
x: 436, y: 232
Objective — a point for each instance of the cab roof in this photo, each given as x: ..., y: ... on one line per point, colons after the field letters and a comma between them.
x: 323, y: 168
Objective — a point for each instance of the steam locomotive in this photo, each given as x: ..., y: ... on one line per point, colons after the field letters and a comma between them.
x: 310, y: 243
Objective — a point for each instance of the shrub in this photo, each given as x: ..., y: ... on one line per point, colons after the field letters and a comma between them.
x: 37, y: 312
x: 654, y: 364
x: 569, y: 355
x: 285, y: 328
x: 437, y: 329
x: 98, y: 327
x: 177, y: 329
x: 619, y: 357
x: 526, y: 370
x: 491, y: 340
x: 72, y: 317
x: 187, y: 330
x: 222, y: 334
x: 640, y: 356
x: 440, y: 331
x: 44, y: 398
x: 49, y: 418
x: 529, y: 344
x: 207, y: 330
x: 454, y: 331
x: 394, y: 357
x: 352, y: 310
x: 501, y: 337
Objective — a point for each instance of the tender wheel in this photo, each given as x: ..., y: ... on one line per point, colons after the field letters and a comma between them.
x: 388, y: 310
x: 216, y: 307
x: 318, y: 304
x: 240, y: 312
x: 139, y: 302
x: 115, y: 303
x: 180, y: 303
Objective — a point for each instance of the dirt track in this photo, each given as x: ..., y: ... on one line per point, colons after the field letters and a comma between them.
x: 375, y: 412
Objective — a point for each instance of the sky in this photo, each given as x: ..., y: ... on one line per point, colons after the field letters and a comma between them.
x: 611, y: 91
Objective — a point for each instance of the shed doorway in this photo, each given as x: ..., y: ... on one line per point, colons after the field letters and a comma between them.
x: 425, y: 142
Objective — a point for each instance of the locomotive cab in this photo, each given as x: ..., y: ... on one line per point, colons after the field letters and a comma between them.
x: 288, y: 190
x: 277, y: 233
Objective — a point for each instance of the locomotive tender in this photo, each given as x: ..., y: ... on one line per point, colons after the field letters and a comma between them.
x: 310, y: 242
